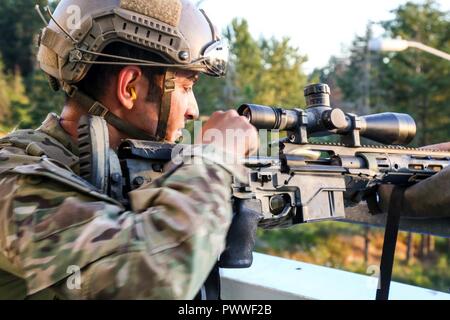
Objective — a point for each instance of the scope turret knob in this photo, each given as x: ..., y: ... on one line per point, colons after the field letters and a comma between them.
x: 335, y: 119
x: 320, y: 88
x: 317, y: 95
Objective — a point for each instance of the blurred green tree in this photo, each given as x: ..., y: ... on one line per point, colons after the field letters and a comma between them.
x: 412, y: 81
x: 417, y: 82
x: 5, y: 100
x: 19, y: 24
x: 264, y: 71
x: 281, y: 80
x: 43, y: 100
x: 247, y: 60
x: 12, y: 93
x: 241, y: 82
x: 25, y: 97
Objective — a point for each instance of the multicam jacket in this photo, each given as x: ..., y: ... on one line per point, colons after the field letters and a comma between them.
x: 61, y: 238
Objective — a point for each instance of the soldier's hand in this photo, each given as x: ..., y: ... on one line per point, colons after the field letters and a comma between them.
x: 230, y: 132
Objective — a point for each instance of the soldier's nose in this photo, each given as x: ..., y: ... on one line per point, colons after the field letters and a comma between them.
x: 192, y: 112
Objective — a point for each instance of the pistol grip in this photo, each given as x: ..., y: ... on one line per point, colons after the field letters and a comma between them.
x: 241, y: 238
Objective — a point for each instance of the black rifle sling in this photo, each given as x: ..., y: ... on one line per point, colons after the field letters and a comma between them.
x: 390, y: 243
x: 166, y: 104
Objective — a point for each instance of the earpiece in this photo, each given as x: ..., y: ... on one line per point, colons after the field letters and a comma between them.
x: 133, y: 93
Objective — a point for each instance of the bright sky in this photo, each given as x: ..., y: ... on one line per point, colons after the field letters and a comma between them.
x: 319, y: 28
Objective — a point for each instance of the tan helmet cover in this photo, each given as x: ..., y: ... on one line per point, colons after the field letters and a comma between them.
x: 174, y: 29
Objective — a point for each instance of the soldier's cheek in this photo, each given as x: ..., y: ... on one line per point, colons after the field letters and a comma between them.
x: 178, y: 111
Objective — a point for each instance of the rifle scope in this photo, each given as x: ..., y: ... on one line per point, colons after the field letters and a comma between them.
x: 321, y: 119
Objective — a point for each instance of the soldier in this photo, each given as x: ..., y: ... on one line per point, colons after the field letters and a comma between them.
x: 133, y: 62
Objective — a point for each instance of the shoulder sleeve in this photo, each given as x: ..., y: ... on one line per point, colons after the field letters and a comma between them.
x: 163, y: 250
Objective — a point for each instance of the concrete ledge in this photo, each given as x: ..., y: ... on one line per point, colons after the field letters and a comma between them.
x: 272, y: 278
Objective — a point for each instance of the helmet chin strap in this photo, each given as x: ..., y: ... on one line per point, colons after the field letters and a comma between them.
x: 166, y: 103
x: 95, y: 108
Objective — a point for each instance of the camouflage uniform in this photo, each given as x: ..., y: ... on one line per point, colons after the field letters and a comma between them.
x: 51, y: 220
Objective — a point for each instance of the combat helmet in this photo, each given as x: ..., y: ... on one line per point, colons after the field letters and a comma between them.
x: 175, y: 30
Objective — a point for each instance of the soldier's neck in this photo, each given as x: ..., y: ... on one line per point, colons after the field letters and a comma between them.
x: 70, y: 117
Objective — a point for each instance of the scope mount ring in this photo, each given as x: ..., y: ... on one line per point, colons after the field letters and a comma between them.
x: 300, y: 134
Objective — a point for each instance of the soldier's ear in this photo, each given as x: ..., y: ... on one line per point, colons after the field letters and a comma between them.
x: 128, y: 88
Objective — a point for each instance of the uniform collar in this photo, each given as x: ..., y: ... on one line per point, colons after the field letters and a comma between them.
x: 53, y: 128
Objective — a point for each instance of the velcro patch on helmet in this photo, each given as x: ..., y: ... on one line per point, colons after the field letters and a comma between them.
x: 47, y: 57
x: 166, y: 11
